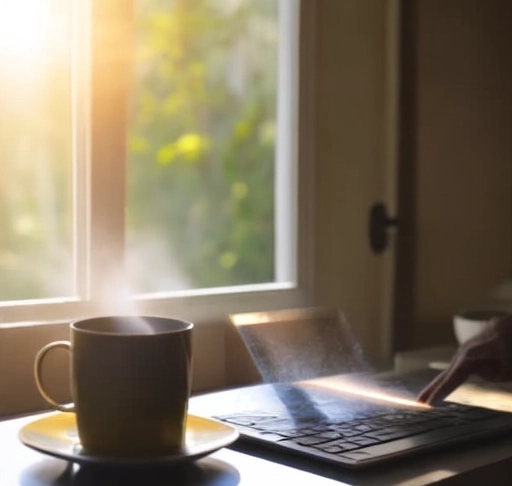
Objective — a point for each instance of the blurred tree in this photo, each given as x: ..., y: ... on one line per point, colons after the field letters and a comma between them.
x: 202, y: 139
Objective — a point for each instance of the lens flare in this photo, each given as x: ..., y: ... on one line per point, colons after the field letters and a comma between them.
x: 250, y: 319
x: 32, y: 35
x: 23, y: 25
x: 346, y: 386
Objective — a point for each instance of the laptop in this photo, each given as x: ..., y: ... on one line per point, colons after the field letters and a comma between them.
x: 321, y: 400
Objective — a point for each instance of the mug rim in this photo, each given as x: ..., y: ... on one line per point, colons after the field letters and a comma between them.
x: 481, y: 315
x: 184, y: 325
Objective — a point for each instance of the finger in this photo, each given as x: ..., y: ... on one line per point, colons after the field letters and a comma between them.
x: 429, y: 392
x: 426, y: 392
x: 466, y: 361
x: 447, y: 381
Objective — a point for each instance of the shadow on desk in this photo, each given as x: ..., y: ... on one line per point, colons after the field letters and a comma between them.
x: 453, y: 468
x: 208, y: 471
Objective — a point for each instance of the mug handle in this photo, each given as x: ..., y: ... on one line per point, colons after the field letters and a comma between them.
x: 38, y: 366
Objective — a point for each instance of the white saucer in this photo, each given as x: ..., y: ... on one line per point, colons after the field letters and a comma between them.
x: 56, y: 435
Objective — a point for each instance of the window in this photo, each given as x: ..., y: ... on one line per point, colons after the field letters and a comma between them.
x: 94, y: 144
x: 149, y: 156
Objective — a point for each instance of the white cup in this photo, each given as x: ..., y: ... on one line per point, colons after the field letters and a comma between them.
x: 468, y: 324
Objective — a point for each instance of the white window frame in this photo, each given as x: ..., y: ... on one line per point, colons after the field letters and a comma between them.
x: 100, y: 194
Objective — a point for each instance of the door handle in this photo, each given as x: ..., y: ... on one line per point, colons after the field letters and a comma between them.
x: 379, y: 223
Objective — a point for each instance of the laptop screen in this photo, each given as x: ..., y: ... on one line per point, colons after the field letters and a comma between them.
x: 299, y: 344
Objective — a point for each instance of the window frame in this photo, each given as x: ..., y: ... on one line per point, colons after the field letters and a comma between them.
x: 100, y: 187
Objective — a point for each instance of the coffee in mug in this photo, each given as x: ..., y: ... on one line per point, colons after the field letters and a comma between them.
x: 130, y: 383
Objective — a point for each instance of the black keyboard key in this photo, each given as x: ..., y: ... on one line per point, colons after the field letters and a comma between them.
x: 331, y: 449
x: 330, y: 435
x: 310, y: 440
x: 365, y: 441
x: 388, y: 434
x: 338, y: 446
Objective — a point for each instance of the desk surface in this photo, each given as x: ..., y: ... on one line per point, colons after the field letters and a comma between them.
x: 21, y: 466
x: 488, y: 463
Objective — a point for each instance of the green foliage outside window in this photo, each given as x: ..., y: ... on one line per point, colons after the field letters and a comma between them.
x: 200, y: 142
x: 202, y: 138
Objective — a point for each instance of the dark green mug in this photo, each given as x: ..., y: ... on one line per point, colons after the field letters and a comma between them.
x: 130, y: 383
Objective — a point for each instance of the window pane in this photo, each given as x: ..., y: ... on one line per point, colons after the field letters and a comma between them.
x: 201, y: 144
x: 35, y: 150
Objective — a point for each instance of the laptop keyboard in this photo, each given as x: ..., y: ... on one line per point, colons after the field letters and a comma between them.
x: 362, y: 434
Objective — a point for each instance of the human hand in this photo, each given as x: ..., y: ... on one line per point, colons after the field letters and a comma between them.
x: 489, y: 355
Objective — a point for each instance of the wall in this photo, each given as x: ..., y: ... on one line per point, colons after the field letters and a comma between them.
x: 353, y: 112
x: 458, y: 86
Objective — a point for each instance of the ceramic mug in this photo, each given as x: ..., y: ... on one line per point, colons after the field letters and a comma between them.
x: 468, y: 324
x: 130, y: 383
